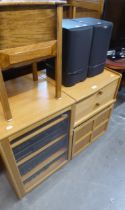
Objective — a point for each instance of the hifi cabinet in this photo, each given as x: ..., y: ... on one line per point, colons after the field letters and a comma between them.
x: 38, y: 140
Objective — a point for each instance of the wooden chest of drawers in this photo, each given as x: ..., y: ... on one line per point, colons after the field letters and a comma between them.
x: 94, y: 99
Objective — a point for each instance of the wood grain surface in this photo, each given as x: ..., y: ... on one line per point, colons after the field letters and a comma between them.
x: 20, y: 26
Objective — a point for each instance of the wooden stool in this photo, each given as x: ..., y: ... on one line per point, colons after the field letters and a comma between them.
x: 30, y: 32
x: 21, y: 56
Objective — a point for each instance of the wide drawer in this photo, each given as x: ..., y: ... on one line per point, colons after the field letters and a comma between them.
x: 86, y: 107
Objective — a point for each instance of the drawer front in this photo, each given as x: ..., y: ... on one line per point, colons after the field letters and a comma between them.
x: 79, y: 146
x: 99, y: 130
x: 96, y: 101
x: 102, y: 117
x: 90, y: 130
x: 106, y: 94
x: 83, y: 130
x: 40, y: 151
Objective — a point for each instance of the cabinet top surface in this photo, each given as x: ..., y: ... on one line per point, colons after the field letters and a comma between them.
x: 91, y: 85
x: 30, y: 102
x: 30, y: 2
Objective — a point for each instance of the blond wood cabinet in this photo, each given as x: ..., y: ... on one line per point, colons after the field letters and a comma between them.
x: 94, y: 99
x: 38, y: 141
x: 37, y: 153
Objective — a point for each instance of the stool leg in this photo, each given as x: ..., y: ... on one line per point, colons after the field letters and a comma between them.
x: 4, y: 98
x: 58, y: 63
x: 34, y: 71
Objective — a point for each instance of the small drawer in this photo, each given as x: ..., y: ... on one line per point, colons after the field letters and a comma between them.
x: 106, y: 94
x: 81, y: 144
x: 103, y: 116
x: 84, y: 107
x: 95, y: 102
x: 82, y: 130
x: 99, y: 131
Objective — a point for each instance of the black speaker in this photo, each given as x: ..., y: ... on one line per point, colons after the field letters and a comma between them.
x: 100, y: 43
x: 77, y: 39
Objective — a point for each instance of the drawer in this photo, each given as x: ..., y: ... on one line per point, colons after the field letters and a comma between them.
x: 82, y: 130
x: 79, y: 146
x: 95, y: 102
x: 103, y: 116
x: 106, y: 94
x: 99, y: 130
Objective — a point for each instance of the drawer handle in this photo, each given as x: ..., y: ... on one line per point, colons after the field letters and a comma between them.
x: 98, y: 104
x: 100, y: 92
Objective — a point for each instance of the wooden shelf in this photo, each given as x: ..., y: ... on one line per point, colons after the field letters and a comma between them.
x: 44, y: 163
x: 34, y: 133
x: 40, y: 150
x: 41, y: 177
x: 30, y: 102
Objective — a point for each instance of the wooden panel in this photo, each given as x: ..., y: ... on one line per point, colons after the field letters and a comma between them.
x: 102, y: 117
x: 82, y: 144
x: 12, y: 170
x: 107, y: 93
x: 86, y: 8
x: 81, y: 12
x: 82, y: 108
x: 82, y: 130
x: 25, y: 2
x: 99, y: 131
x: 38, y: 24
x: 12, y: 56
